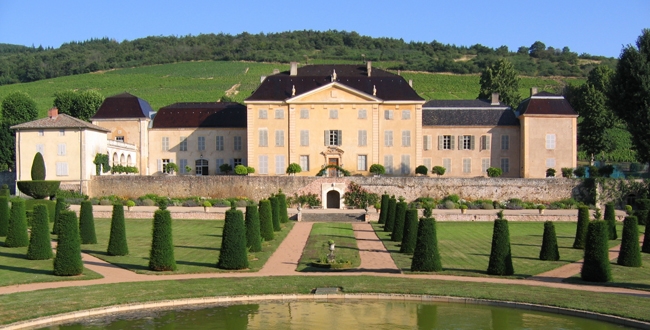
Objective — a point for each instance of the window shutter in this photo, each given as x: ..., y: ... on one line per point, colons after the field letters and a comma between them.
x: 460, y: 142
x: 159, y: 161
x: 441, y: 142
x: 232, y: 162
x: 326, y: 138
x: 452, y: 142
x: 487, y: 142
x: 340, y: 137
x: 472, y: 142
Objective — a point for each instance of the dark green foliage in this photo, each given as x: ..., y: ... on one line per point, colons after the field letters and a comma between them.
x: 40, y: 247
x: 87, y: 223
x: 4, y: 215
x: 390, y: 217
x: 253, y: 236
x: 595, y: 267
x: 4, y: 190
x: 630, y: 254
x: 275, y: 212
x: 68, y: 251
x: 426, y: 257
x: 17, y: 230
x: 384, y: 209
x: 233, y: 253
x: 421, y: 170
x: 282, y: 207
x: 18, y: 107
x: 410, y: 231
x: 51, y: 206
x: 398, y: 226
x: 117, y: 245
x: 646, y: 240
x: 494, y: 172
x: 60, y: 207
x: 549, y: 243
x: 643, y: 210
x: 266, y: 220
x: 581, y: 228
x: 38, y: 167
x: 610, y: 218
x: 39, y: 189
x: 161, y: 256
x: 500, y: 77
x: 359, y: 198
x: 500, y: 255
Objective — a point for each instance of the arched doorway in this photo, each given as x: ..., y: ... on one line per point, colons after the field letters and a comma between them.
x: 333, y: 199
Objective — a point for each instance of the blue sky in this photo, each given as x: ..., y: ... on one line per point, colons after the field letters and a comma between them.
x: 596, y: 27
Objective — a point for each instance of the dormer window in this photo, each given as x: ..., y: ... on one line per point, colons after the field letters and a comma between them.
x: 119, y: 138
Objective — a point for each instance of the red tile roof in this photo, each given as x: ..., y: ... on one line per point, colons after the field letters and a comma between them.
x: 545, y: 103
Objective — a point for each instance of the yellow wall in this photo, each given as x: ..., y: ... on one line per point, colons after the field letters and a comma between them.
x: 534, y: 152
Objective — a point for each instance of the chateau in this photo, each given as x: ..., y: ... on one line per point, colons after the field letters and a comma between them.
x: 350, y: 116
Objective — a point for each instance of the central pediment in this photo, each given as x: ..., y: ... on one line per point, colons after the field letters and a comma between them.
x: 334, y: 93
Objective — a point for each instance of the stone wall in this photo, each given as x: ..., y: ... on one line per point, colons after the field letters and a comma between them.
x: 258, y: 187
x: 9, y: 178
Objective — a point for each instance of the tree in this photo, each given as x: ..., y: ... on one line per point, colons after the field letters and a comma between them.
x: 426, y: 257
x: 117, y: 245
x: 500, y: 254
x: 581, y: 227
x: 86, y: 103
x: 500, y: 77
x: 629, y: 93
x: 645, y: 248
x: 630, y: 254
x: 161, y: 256
x: 224, y: 168
x: 4, y: 215
x: 438, y: 170
x: 233, y: 253
x: 17, y: 108
x: 384, y: 209
x: 549, y: 249
x: 17, y: 231
x: 241, y: 170
x: 266, y: 220
x: 282, y: 207
x: 537, y: 49
x: 595, y: 267
x: 494, y: 172
x: 275, y: 213
x: 421, y: 170
x: 7, y: 147
x: 610, y: 218
x: 67, y: 261
x: 253, y: 235
x: 410, y: 231
x: 293, y: 168
x: 64, y: 101
x: 390, y: 217
x: 61, y: 206
x: 377, y: 169
x: 87, y: 223
x: 596, y: 119
x: 398, y: 226
x: 38, y: 167
x: 40, y: 247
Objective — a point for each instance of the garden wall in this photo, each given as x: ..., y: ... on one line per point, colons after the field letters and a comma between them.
x: 9, y: 178
x: 258, y: 187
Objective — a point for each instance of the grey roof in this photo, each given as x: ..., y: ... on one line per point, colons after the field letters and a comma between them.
x: 460, y: 104
x: 465, y: 117
x: 60, y: 121
x: 123, y: 105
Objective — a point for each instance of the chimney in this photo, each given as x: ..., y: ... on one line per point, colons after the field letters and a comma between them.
x: 294, y: 69
x: 53, y: 113
x: 262, y: 79
x: 411, y: 83
x: 533, y: 91
x: 399, y: 72
x: 369, y: 68
x: 495, y: 99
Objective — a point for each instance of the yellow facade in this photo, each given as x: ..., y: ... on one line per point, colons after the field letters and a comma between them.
x: 547, y: 142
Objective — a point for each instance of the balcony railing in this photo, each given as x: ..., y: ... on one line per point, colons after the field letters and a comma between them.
x: 121, y: 145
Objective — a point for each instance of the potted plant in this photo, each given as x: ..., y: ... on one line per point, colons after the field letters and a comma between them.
x: 463, y: 208
x: 541, y: 208
x: 129, y: 204
x: 377, y: 206
x: 377, y: 169
x: 206, y: 205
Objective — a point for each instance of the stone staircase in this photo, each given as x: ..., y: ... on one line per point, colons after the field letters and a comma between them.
x: 333, y: 216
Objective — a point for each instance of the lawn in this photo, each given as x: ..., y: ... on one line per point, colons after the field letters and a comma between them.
x: 465, y: 247
x: 196, y: 242
x: 343, y: 236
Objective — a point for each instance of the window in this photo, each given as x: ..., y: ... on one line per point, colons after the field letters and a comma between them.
x: 165, y: 143
x: 61, y: 149
x: 219, y: 163
x: 388, y: 114
x: 304, y: 162
x: 446, y: 163
x: 40, y: 148
x: 201, y: 143
x: 427, y: 142
x: 280, y: 168
x: 262, y: 114
x: 427, y: 162
x: 183, y: 145
x: 485, y: 164
x: 333, y: 137
x: 264, y: 137
x: 406, y: 164
x: 406, y: 114
x: 201, y: 167
x: 334, y: 114
x: 388, y: 138
x: 182, y: 164
x: 61, y: 132
x: 485, y: 142
x: 550, y: 141
x: 363, y: 138
x: 467, y: 165
x: 445, y: 142
x: 406, y: 138
x: 264, y: 164
x: 41, y: 132
x: 119, y: 138
x: 304, y: 113
x: 279, y: 113
x: 362, y: 162
x: 388, y: 163
x: 505, y: 165
x: 505, y: 142
x: 304, y: 138
x: 237, y: 143
x: 362, y: 114
x: 237, y: 161
x: 163, y: 165
x: 219, y: 142
x: 279, y: 138
x: 61, y: 169
x: 550, y: 162
x: 466, y: 142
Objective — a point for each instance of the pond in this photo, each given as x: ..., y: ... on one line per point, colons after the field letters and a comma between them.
x: 347, y: 315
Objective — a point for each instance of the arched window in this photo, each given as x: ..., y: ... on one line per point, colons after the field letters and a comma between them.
x: 201, y: 167
x: 129, y: 161
x: 115, y: 159
x: 122, y: 159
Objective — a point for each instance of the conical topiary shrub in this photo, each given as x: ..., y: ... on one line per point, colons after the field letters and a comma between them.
x: 426, y: 257
x: 282, y: 207
x: 410, y: 236
x: 4, y: 215
x: 500, y: 255
x: 595, y: 267
x: 384, y: 209
x: 253, y: 236
x: 117, y: 245
x: 275, y: 213
x: 40, y: 247
x: 68, y: 251
x: 390, y: 217
x: 610, y: 217
x: 17, y: 231
x: 60, y: 206
x: 38, y: 167
x: 630, y: 254
x: 4, y: 190
x: 549, y: 243
x: 161, y: 256
x: 645, y: 248
x: 87, y: 223
x: 398, y: 227
x: 581, y: 228
x: 266, y: 220
x: 233, y: 253
x: 643, y: 210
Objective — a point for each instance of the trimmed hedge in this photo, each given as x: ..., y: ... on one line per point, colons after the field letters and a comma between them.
x: 646, y: 240
x: 643, y: 210
x: 40, y: 247
x: 87, y: 223
x: 117, y: 245
x: 266, y: 220
x: 60, y: 207
x: 549, y: 250
x: 610, y: 217
x: 398, y: 226
x: 390, y: 217
x: 161, y: 256
x: 4, y: 191
x: 38, y: 167
x: 630, y: 254
x: 595, y: 267
x: 4, y: 215
x: 68, y: 251
x: 384, y: 209
x: 233, y: 253
x: 500, y: 255
x: 51, y: 207
x: 17, y: 230
x: 253, y: 236
x: 275, y: 213
x: 410, y: 236
x: 426, y: 257
x: 581, y: 228
x: 282, y: 206
x: 39, y: 189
